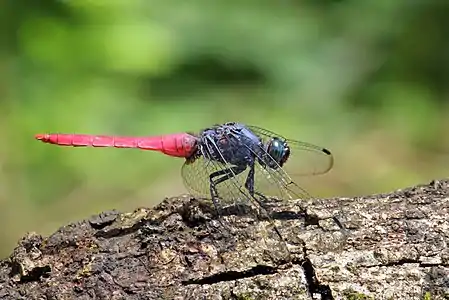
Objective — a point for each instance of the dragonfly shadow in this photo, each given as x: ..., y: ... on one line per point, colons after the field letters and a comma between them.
x: 201, y: 213
x: 232, y: 220
x: 309, y: 219
x: 239, y: 209
x: 292, y: 215
x: 202, y: 209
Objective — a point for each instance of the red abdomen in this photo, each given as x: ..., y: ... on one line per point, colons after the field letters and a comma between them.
x: 178, y: 144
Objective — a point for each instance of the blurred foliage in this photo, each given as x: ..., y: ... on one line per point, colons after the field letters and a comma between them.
x: 367, y: 79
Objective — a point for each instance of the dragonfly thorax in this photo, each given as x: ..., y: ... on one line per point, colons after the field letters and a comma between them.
x: 231, y: 144
x: 235, y: 144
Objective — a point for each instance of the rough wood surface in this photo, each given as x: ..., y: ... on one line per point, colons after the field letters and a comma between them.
x: 395, y: 247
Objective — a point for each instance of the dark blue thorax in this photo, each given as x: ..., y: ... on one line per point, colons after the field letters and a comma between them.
x: 231, y: 143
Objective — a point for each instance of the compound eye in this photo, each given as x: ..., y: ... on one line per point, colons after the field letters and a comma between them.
x: 278, y: 150
x: 285, y: 156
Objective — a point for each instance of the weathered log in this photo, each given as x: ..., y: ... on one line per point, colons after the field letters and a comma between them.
x: 395, y: 246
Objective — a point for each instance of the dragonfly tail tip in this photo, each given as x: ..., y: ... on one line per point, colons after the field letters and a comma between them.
x: 40, y: 137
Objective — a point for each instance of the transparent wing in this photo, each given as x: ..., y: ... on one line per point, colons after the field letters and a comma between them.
x: 196, y: 176
x: 271, y: 183
x: 278, y: 184
x: 305, y: 159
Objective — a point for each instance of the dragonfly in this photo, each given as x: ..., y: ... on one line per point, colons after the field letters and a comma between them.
x: 227, y: 163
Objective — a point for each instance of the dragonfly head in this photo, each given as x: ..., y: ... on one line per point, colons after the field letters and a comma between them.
x: 278, y: 151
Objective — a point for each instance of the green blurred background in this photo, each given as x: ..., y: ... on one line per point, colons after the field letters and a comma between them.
x: 366, y: 79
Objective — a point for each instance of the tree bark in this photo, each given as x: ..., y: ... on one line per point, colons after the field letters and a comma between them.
x: 394, y: 246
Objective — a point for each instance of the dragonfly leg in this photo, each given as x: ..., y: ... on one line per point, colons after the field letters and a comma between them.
x: 226, y: 175
x: 249, y: 185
